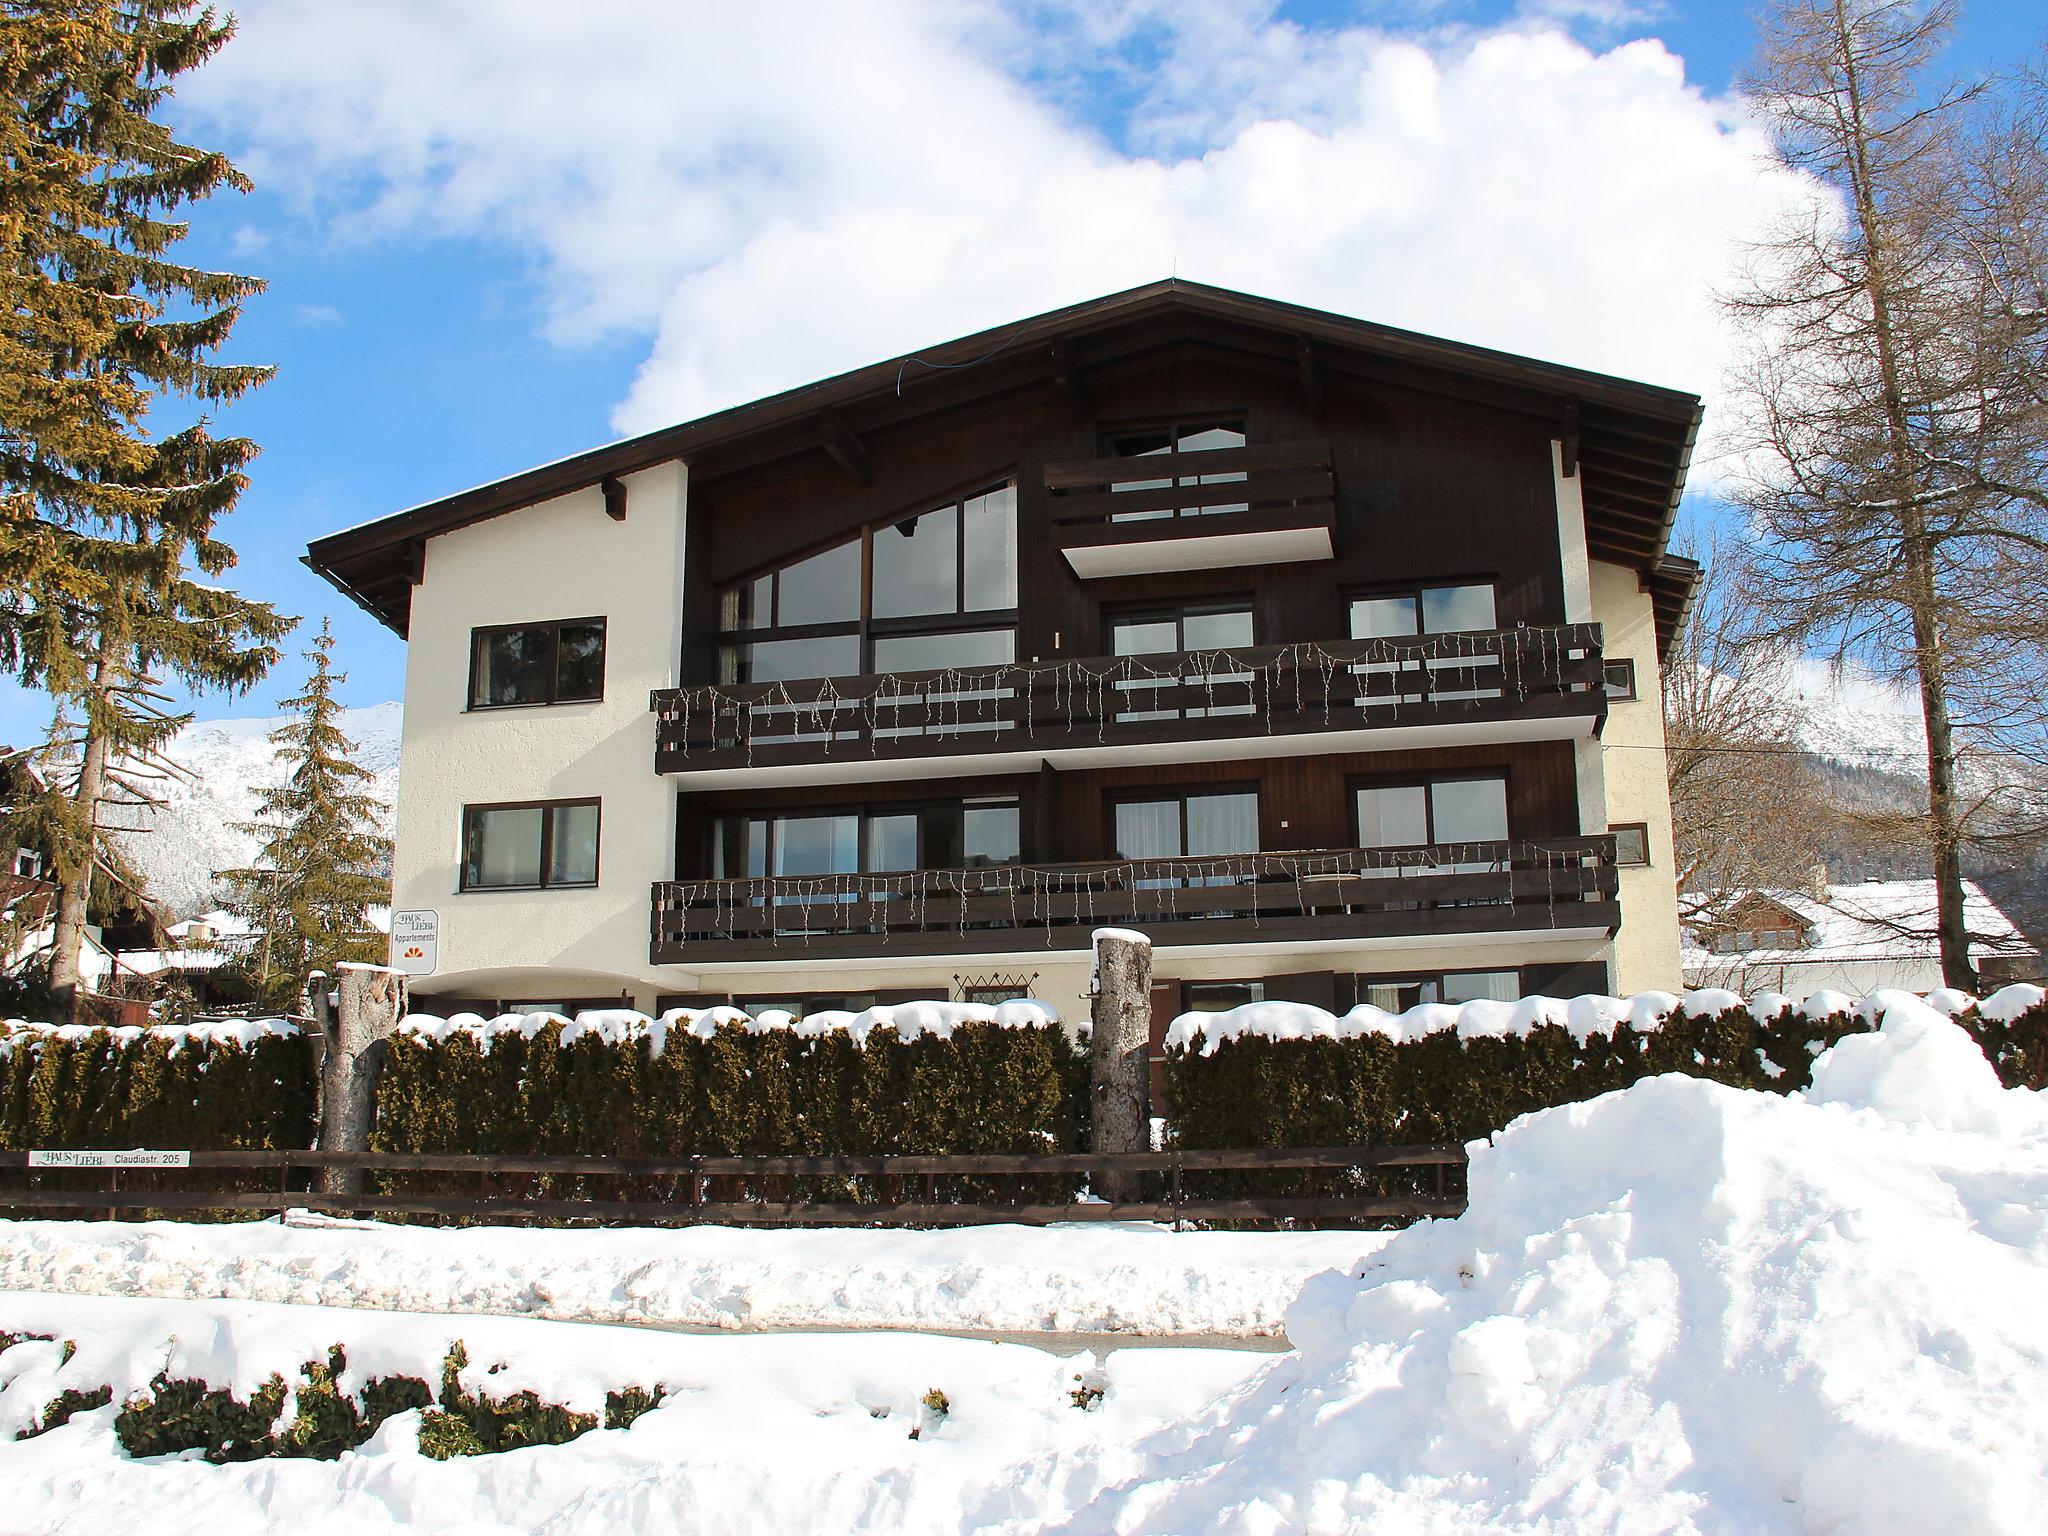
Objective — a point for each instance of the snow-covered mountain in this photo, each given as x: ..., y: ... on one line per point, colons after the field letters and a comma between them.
x: 1851, y: 716
x: 178, y: 846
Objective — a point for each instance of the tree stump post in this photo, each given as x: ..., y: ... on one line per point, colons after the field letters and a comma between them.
x: 369, y: 1002
x: 1119, y: 1074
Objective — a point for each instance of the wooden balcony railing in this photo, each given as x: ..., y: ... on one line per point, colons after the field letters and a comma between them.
x: 1491, y: 887
x: 1270, y: 690
x: 1291, y: 479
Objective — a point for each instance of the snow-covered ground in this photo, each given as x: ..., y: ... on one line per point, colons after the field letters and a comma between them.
x: 1681, y: 1307
x: 1123, y: 1278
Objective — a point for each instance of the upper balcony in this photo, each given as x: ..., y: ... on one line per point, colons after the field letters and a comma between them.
x: 1199, y: 510
x: 1527, y: 684
x: 1562, y: 888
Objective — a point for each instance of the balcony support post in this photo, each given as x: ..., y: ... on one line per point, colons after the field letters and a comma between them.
x: 1118, y: 1069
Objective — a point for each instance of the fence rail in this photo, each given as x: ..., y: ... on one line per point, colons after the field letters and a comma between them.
x: 884, y: 1191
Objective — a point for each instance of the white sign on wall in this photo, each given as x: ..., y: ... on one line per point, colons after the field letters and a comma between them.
x: 59, y: 1158
x: 415, y: 936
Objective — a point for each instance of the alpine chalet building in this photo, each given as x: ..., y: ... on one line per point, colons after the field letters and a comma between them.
x: 1325, y: 654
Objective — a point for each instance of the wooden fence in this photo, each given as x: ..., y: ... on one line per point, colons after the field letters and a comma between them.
x: 1411, y: 1182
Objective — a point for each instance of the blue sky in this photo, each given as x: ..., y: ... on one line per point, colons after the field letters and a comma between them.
x: 496, y: 233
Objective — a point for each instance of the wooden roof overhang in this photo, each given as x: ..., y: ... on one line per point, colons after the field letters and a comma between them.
x: 1630, y: 443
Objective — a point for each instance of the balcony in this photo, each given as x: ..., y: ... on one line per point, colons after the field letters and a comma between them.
x: 1201, y: 510
x: 1344, y: 898
x: 1260, y: 701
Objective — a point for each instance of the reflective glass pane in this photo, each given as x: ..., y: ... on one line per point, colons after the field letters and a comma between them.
x: 1148, y: 829
x: 1377, y: 618
x: 775, y: 661
x: 917, y: 565
x: 503, y: 848
x: 579, y: 662
x: 1490, y: 986
x: 572, y: 849
x: 892, y: 841
x: 1447, y: 609
x: 1221, y: 996
x: 739, y: 848
x: 821, y: 590
x: 1203, y: 439
x: 512, y: 666
x: 1219, y: 824
x: 1393, y: 816
x: 990, y: 529
x: 1217, y: 631
x: 1144, y: 637
x: 990, y: 835
x: 1396, y: 996
x: 959, y: 648
x: 817, y: 845
x: 1470, y: 810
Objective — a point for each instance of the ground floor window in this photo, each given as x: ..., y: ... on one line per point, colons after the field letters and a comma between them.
x: 533, y: 845
x: 1397, y: 994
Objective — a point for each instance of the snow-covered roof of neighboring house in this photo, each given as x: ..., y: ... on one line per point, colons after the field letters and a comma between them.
x: 1872, y: 920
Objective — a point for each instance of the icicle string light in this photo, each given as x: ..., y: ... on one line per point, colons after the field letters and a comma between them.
x: 1299, y: 686
x: 1062, y: 899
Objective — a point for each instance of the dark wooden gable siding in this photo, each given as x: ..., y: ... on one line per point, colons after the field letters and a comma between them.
x: 1426, y: 490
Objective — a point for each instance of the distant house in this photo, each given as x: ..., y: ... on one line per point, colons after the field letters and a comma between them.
x: 1851, y: 938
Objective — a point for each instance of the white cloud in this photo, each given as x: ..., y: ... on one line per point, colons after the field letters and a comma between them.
x: 775, y: 193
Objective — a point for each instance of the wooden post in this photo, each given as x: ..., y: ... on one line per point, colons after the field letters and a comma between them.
x: 1118, y: 1068
x: 369, y: 1002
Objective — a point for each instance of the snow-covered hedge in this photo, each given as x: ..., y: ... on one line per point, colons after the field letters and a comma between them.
x: 1287, y: 1074
x: 217, y: 1087
x: 918, y: 1077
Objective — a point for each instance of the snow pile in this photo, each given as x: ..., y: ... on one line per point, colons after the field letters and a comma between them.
x: 1092, y: 1278
x: 755, y: 1435
x: 209, y: 1032
x: 623, y: 1026
x: 1681, y: 1307
x: 1583, y: 1017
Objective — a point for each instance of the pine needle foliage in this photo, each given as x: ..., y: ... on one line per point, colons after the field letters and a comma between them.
x: 323, y: 862
x: 107, y: 527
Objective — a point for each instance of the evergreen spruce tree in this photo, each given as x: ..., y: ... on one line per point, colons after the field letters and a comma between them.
x: 323, y: 863
x: 106, y: 528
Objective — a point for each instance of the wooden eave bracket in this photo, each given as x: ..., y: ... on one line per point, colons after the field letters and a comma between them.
x: 1072, y: 385
x: 614, y: 490
x: 847, y: 450
x: 1311, y: 376
x: 1568, y: 437
x: 416, y: 562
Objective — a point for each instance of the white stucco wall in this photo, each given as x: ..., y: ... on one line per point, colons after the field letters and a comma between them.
x: 558, y: 560
x: 1634, y: 786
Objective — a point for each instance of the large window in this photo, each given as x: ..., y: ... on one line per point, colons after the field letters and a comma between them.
x: 1185, y: 436
x: 1424, y: 611
x: 1397, y: 994
x: 1446, y: 810
x: 1171, y: 631
x: 529, y: 846
x: 921, y: 593
x: 559, y: 662
x: 966, y: 834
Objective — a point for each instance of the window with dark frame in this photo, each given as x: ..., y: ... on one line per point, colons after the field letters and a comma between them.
x: 934, y: 590
x: 1186, y: 435
x: 1631, y: 844
x: 883, y: 838
x: 530, y: 845
x: 1620, y: 678
x: 1435, y: 608
x: 1397, y: 994
x: 560, y: 661
x: 1155, y: 631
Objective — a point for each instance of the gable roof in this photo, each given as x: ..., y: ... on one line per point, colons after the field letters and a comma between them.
x: 1878, y: 920
x: 1634, y: 441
